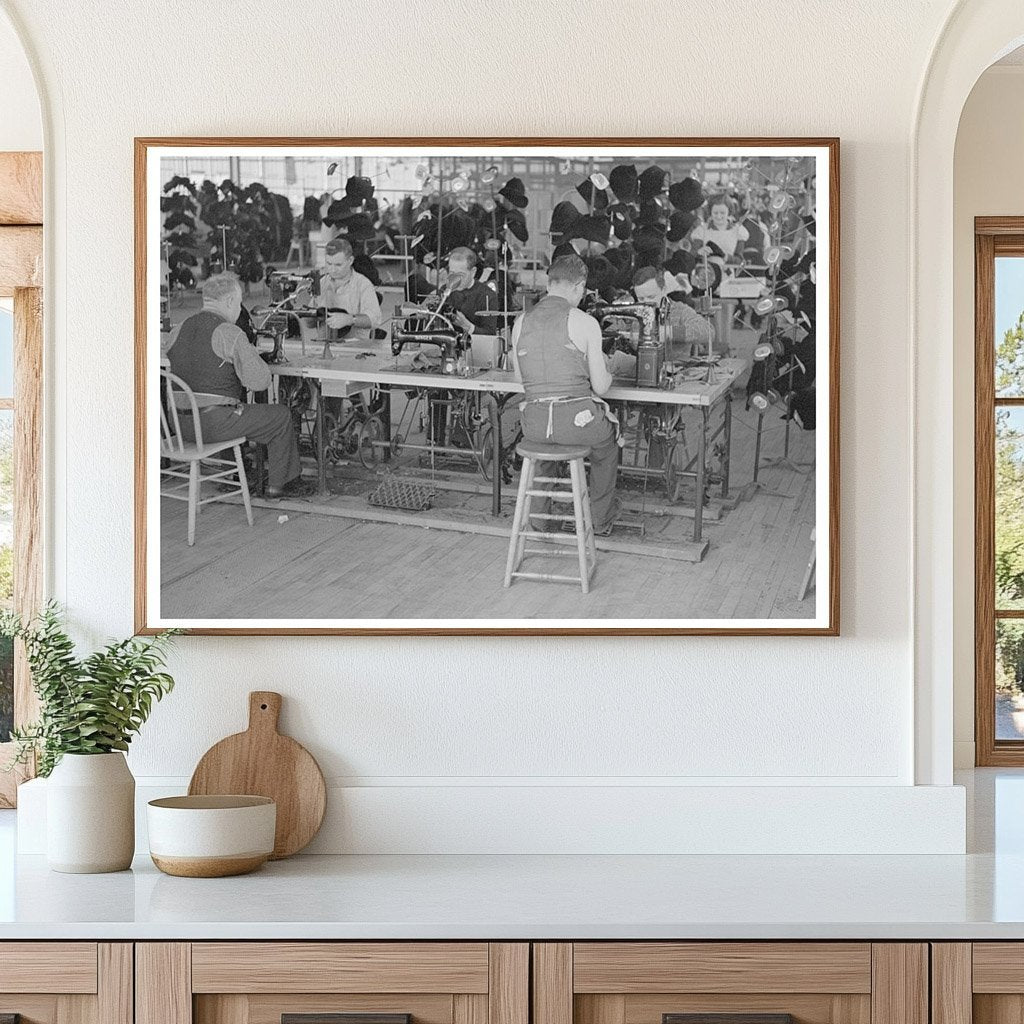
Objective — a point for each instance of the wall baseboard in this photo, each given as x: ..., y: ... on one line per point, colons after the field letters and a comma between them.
x: 456, y: 819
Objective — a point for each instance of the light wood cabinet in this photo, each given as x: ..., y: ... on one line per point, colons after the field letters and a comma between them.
x: 978, y: 983
x: 737, y: 982
x: 66, y: 982
x: 308, y: 982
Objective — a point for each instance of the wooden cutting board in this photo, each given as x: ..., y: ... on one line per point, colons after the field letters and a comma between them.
x: 262, y: 762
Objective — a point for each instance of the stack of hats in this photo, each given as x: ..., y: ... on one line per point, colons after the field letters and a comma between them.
x: 638, y: 207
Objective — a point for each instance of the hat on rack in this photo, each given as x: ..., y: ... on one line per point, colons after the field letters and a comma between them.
x: 359, y: 228
x: 514, y: 192
x: 686, y: 195
x: 651, y: 182
x: 359, y: 189
x: 621, y: 216
x: 654, y: 211
x: 593, y: 227
x: 595, y: 197
x: 649, y: 243
x: 599, y: 273
x: 623, y: 260
x: 680, y: 262
x: 516, y: 223
x: 563, y: 249
x: 680, y: 224
x: 563, y: 216
x: 623, y: 182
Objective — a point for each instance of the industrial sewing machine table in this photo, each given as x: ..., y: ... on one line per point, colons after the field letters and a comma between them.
x: 356, y: 366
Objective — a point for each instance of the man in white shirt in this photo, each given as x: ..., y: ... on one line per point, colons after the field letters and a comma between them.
x: 342, y: 288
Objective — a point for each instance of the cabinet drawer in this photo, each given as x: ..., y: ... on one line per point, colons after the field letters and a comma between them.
x: 730, y: 983
x: 332, y: 983
x: 633, y: 967
x: 65, y: 967
x: 340, y: 967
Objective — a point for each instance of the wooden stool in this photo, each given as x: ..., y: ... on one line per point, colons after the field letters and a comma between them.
x: 586, y: 549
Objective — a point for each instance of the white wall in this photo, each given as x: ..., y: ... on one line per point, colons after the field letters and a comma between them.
x: 987, y: 182
x: 436, y: 712
x: 21, y: 127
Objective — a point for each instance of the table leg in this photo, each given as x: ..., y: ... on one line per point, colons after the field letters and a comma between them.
x: 386, y: 418
x: 727, y: 456
x: 492, y: 411
x: 702, y: 469
x: 321, y: 460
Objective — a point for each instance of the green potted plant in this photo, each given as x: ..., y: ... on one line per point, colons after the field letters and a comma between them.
x: 89, y: 710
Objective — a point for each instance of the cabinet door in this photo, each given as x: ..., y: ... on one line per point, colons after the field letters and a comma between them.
x: 730, y: 983
x: 65, y: 983
x: 980, y: 982
x: 332, y: 983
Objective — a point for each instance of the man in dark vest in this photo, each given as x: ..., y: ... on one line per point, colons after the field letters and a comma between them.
x: 556, y: 348
x: 215, y: 359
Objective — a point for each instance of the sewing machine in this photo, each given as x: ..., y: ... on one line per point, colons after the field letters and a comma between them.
x: 423, y: 327
x: 650, y: 349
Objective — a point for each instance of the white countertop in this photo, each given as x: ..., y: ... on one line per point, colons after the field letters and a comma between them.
x: 543, y: 897
x: 977, y: 896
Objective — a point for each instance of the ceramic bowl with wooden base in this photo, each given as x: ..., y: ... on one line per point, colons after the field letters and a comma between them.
x: 211, y: 836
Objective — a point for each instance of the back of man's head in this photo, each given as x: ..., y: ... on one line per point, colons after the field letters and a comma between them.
x: 219, y: 287
x: 566, y: 273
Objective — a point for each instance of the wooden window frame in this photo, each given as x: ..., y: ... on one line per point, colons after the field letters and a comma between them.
x: 21, y: 278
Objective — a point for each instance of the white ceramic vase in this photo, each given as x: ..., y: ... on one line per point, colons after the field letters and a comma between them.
x: 90, y: 814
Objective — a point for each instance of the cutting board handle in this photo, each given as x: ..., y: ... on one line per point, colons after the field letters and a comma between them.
x: 264, y: 710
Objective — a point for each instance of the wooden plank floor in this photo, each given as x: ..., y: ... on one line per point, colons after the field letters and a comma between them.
x: 322, y: 566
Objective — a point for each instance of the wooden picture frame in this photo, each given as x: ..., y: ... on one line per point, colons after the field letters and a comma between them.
x: 993, y: 237
x: 822, y: 571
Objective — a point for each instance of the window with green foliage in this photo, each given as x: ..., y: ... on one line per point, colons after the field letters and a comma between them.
x: 1009, y: 496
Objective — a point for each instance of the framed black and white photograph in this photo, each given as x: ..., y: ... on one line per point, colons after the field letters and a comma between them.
x: 499, y: 386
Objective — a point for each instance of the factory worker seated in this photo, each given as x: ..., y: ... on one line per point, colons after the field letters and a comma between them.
x: 556, y: 351
x: 467, y: 296
x: 215, y: 359
x: 689, y: 333
x: 341, y: 287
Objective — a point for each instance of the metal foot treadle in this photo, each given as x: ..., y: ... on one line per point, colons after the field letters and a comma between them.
x: 392, y: 493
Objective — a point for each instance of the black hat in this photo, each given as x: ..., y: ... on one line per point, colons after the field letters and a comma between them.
x: 516, y: 223
x: 179, y: 219
x: 651, y: 182
x: 680, y: 262
x: 596, y: 197
x: 714, y: 276
x: 680, y: 224
x: 654, y: 211
x: 686, y: 195
x: 563, y: 249
x: 562, y: 217
x: 714, y: 249
x: 514, y: 191
x: 359, y: 189
x: 621, y: 216
x: 359, y: 228
x: 338, y: 212
x: 623, y: 260
x: 649, y: 243
x: 623, y: 182
x: 599, y: 272
x: 592, y: 227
